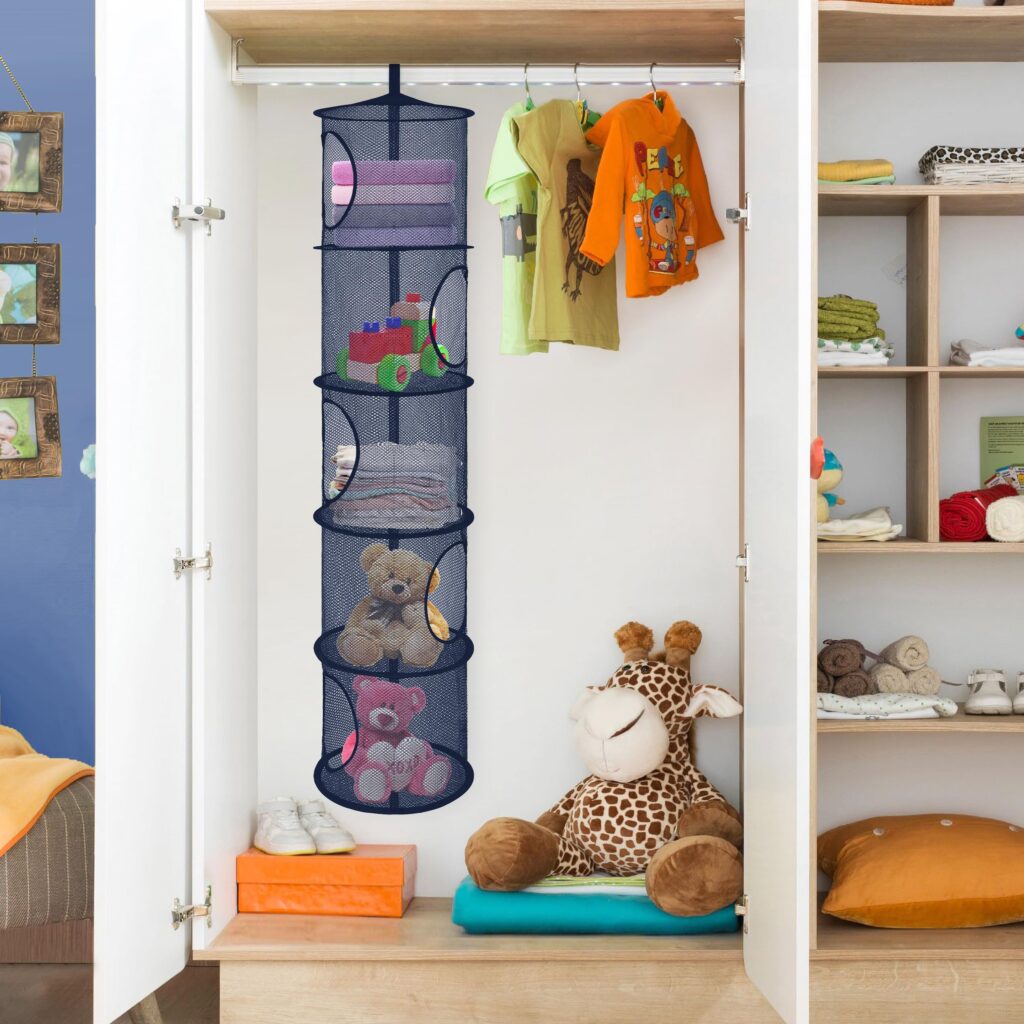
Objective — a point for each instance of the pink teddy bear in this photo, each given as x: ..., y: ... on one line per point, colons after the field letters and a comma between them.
x: 383, y: 756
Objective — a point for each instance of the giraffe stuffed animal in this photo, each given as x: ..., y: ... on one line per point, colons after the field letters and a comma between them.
x: 644, y: 807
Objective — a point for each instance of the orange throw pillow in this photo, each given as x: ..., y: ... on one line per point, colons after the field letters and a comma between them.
x: 925, y: 871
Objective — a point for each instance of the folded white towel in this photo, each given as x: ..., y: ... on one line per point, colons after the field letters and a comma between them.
x: 875, y: 524
x: 852, y: 358
x: 843, y: 716
x: 968, y: 352
x: 1004, y: 519
x: 886, y: 705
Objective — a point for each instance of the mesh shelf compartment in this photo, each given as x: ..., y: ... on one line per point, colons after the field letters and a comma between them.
x: 394, y: 507
x: 408, y: 755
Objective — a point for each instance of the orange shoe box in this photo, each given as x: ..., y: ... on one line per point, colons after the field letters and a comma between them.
x: 372, y: 881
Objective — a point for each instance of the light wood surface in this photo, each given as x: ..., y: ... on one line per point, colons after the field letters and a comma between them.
x: 861, y: 32
x: 841, y: 940
x: 896, y: 372
x: 923, y: 285
x: 923, y: 458
x: 980, y: 372
x: 918, y: 547
x: 899, y: 200
x: 427, y: 933
x: 489, y: 993
x: 916, y: 991
x: 483, y: 31
x: 959, y: 723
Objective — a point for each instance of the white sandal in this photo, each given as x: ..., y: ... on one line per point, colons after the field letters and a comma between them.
x: 1018, y: 700
x: 988, y: 694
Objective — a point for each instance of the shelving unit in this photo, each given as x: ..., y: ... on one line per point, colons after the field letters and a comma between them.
x: 959, y: 723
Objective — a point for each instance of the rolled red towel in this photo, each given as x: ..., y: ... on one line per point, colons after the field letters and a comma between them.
x: 962, y: 516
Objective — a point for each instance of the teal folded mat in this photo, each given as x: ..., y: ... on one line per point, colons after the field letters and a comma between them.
x: 530, y: 913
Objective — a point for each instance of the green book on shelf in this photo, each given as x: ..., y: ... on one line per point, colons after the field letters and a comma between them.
x: 1002, y: 444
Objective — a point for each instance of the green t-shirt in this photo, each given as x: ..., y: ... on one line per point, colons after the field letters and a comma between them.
x: 573, y: 297
x: 512, y: 187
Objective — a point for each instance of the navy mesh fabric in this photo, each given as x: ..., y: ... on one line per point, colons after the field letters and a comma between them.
x: 394, y: 382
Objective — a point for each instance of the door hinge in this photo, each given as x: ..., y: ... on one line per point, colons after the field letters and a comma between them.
x: 203, y: 212
x: 743, y: 562
x: 740, y: 215
x: 183, y: 565
x: 180, y: 914
x: 743, y: 909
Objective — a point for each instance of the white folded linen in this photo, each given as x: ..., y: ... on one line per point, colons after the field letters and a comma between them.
x: 844, y: 717
x: 875, y: 524
x: 968, y: 352
x: 1004, y: 519
x: 886, y: 705
x: 865, y: 358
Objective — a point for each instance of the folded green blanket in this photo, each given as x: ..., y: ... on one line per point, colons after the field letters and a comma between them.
x: 843, y: 303
x: 529, y: 913
x: 888, y: 179
x: 832, y: 318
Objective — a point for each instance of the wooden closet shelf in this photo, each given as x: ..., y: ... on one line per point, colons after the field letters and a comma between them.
x: 899, y: 200
x: 426, y: 933
x: 960, y: 723
x: 897, y: 372
x: 341, y: 32
x: 868, y: 32
x: 842, y: 940
x: 918, y: 547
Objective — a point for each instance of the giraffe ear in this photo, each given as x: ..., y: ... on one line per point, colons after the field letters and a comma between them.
x: 581, y: 702
x: 713, y: 701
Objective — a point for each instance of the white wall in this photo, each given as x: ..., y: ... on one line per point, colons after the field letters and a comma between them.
x: 603, y: 485
x: 965, y: 607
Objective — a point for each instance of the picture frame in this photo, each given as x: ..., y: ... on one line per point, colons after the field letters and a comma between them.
x: 31, y: 162
x: 29, y: 428
x: 30, y: 294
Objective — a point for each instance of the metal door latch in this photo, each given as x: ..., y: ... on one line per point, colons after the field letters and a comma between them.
x: 183, y: 565
x: 740, y: 215
x: 180, y: 914
x: 743, y: 562
x: 742, y: 910
x: 203, y: 212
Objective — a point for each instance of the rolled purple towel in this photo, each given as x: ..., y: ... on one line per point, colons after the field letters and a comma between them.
x: 363, y: 195
x: 394, y: 172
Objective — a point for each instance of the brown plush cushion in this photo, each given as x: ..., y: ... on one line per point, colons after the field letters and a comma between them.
x: 916, y: 871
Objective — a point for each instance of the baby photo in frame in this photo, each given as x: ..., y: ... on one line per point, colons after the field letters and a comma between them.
x: 29, y: 294
x: 29, y: 428
x: 31, y: 162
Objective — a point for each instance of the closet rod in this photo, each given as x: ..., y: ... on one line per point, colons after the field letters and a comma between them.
x: 505, y: 75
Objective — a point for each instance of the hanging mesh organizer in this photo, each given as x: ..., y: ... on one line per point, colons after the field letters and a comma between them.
x: 394, y: 513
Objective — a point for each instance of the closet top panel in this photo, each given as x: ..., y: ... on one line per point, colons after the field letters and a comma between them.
x: 343, y: 32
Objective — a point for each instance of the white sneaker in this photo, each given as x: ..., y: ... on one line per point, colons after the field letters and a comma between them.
x: 329, y: 836
x: 988, y: 693
x: 279, y: 831
x: 1018, y: 701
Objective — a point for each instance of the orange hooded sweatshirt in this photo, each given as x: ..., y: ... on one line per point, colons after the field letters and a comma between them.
x: 651, y: 167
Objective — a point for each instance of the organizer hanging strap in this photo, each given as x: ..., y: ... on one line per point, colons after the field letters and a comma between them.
x: 17, y: 84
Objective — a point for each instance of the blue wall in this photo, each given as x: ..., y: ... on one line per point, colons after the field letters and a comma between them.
x: 47, y: 525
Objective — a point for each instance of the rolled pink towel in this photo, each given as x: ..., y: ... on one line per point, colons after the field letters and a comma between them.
x: 394, y: 172
x: 341, y: 195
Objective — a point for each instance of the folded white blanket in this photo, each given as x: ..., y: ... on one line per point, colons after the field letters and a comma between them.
x: 843, y: 716
x: 1004, y: 519
x: 875, y: 524
x: 886, y: 705
x: 968, y: 352
x: 852, y: 358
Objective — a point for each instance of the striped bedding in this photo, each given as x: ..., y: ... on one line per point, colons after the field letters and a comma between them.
x: 47, y: 876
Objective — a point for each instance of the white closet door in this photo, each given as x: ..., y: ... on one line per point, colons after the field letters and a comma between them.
x: 224, y: 471
x: 142, y: 499
x: 779, y: 346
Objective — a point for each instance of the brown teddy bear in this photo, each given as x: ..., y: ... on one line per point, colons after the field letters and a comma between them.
x: 645, y: 806
x: 390, y: 622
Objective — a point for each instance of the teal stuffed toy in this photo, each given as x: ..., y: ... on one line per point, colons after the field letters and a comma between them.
x: 829, y: 478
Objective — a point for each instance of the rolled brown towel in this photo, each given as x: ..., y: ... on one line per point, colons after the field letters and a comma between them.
x: 908, y: 653
x: 853, y: 684
x: 889, y: 679
x: 839, y: 657
x: 825, y: 682
x: 925, y: 681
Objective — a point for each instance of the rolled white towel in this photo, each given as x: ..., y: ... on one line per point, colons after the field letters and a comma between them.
x: 1004, y: 519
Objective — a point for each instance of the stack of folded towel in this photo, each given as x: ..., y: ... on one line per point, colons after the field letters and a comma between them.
x: 848, y: 333
x: 875, y: 524
x: 900, y: 668
x: 873, y: 706
x: 961, y: 165
x: 392, y: 484
x: 962, y: 516
x: 395, y: 202
x: 967, y: 352
x: 856, y: 172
